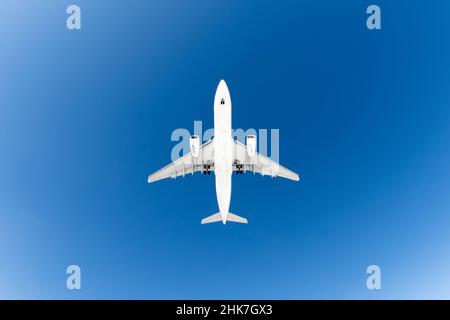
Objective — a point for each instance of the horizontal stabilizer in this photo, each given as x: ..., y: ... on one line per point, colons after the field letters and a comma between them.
x: 212, y: 218
x: 224, y: 218
x: 236, y: 218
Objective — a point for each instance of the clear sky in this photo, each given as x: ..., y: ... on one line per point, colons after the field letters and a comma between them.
x: 86, y: 115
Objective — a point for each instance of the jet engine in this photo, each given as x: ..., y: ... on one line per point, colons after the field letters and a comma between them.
x: 194, y: 144
x: 251, y: 145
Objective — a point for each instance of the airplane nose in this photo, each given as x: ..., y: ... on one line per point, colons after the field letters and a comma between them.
x: 222, y: 94
x: 222, y: 85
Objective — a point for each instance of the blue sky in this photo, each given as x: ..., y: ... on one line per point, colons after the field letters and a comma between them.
x: 86, y: 115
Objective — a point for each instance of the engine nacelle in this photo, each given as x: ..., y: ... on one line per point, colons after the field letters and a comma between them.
x: 251, y: 145
x: 194, y: 144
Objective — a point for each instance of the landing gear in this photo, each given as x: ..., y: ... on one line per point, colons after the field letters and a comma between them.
x: 206, y: 169
x: 239, y: 169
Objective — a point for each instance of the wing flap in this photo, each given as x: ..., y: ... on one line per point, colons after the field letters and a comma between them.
x: 260, y: 164
x: 187, y: 164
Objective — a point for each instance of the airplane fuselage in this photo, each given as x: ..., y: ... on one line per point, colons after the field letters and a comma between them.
x: 223, y: 152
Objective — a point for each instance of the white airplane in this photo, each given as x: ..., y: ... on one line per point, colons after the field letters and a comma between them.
x: 223, y: 155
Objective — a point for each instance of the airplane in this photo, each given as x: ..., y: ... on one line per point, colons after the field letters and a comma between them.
x: 223, y: 155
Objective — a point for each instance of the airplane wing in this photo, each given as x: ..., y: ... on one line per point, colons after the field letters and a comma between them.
x: 259, y: 163
x: 188, y: 164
